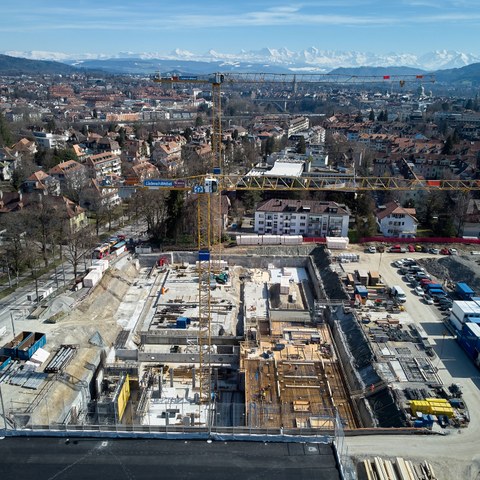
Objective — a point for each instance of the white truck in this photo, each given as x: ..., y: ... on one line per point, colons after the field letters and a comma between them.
x: 398, y: 294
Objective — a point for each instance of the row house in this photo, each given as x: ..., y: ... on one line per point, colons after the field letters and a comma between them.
x: 433, y: 168
x: 103, y: 164
x: 396, y: 221
x: 377, y: 141
x: 302, y: 217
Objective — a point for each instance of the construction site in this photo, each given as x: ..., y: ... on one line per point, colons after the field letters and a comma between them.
x: 291, y: 347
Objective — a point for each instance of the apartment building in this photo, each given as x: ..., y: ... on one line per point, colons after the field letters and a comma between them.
x: 103, y: 164
x: 302, y: 217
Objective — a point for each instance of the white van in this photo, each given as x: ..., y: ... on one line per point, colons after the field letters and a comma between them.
x: 398, y: 294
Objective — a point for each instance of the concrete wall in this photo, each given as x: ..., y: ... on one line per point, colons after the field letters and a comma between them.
x: 180, y: 337
x: 125, y: 354
x: 188, y: 358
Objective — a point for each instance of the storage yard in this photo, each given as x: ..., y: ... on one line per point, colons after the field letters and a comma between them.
x: 295, y: 340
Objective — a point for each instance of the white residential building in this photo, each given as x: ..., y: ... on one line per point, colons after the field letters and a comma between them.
x: 395, y: 221
x: 50, y: 140
x: 302, y: 217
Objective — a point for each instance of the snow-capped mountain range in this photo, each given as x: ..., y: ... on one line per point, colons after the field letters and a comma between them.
x: 311, y: 59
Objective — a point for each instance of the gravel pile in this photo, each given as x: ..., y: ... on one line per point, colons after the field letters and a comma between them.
x: 454, y: 269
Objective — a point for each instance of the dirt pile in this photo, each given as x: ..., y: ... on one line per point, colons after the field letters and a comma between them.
x: 454, y: 269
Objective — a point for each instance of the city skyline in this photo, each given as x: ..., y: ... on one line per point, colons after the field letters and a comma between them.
x: 415, y: 26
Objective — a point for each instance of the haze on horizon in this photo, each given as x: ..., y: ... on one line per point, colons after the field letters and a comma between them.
x: 108, y: 27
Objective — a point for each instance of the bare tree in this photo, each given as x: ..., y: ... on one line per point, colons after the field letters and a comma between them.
x: 77, y: 246
x: 42, y: 223
x: 14, y: 244
x: 152, y: 209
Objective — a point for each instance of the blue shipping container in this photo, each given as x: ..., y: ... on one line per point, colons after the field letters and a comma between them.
x: 10, y: 348
x: 464, y: 291
x: 181, y: 322
x: 28, y: 347
x: 4, y: 361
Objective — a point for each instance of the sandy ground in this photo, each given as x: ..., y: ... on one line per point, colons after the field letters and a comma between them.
x: 95, y: 314
x: 456, y: 455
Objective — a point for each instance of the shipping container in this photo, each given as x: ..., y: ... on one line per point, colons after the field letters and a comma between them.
x: 10, y: 348
x: 93, y: 277
x: 469, y: 339
x: 4, y: 361
x: 430, y: 286
x: 464, y: 291
x: 28, y: 347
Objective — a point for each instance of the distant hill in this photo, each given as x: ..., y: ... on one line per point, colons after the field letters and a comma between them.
x: 380, y: 71
x: 21, y: 66
x: 469, y: 74
x: 138, y: 66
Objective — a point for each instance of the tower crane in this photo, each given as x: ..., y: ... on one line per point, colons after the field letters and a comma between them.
x: 206, y: 186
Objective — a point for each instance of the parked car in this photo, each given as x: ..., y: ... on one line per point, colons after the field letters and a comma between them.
x: 418, y: 248
x: 428, y: 299
x: 419, y: 291
x: 445, y: 308
x: 411, y: 248
x: 397, y: 249
x: 410, y: 278
x: 445, y: 251
x: 409, y: 262
x: 372, y: 249
x: 398, y: 263
x: 453, y: 251
x: 435, y: 251
x: 422, y: 275
x: 446, y: 300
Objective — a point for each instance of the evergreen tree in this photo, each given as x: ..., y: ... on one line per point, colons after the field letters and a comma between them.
x: 269, y: 145
x: 5, y: 133
x: 448, y: 146
x: 371, y: 116
x: 302, y: 145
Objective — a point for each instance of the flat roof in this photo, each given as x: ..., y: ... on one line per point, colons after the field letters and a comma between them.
x: 111, y: 459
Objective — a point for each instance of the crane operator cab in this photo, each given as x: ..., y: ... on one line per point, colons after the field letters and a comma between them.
x: 211, y: 185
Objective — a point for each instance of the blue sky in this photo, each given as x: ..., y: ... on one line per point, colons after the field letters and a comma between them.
x: 227, y: 26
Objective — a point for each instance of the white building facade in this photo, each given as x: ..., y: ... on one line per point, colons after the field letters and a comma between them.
x: 302, y: 217
x: 396, y: 221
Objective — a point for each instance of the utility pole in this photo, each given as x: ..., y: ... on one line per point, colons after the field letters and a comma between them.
x: 3, y: 412
x: 13, y: 325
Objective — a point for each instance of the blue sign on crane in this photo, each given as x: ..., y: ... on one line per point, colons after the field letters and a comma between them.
x: 158, y: 183
x: 164, y: 183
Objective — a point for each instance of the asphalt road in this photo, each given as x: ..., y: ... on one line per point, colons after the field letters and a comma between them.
x: 15, y: 307
x: 53, y: 458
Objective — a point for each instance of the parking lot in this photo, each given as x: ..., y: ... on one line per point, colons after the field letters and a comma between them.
x: 454, y: 455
